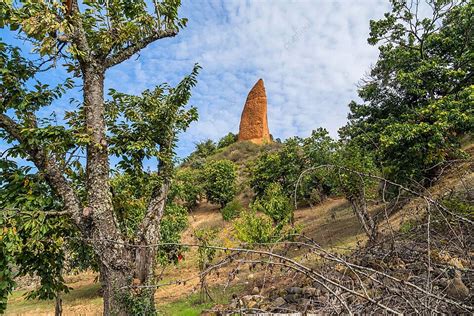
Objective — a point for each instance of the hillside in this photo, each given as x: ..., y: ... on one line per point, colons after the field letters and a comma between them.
x: 331, y: 224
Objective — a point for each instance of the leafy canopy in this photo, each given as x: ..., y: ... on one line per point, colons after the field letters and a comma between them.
x: 417, y: 100
x: 220, y: 181
x: 112, y: 30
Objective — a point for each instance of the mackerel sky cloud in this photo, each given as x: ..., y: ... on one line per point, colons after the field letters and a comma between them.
x: 311, y: 54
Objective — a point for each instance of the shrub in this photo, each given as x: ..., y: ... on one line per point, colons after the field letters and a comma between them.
x: 206, y: 237
x: 202, y: 150
x: 232, y: 210
x: 187, y: 187
x: 274, y: 203
x: 254, y: 228
x: 460, y: 206
x: 407, y: 226
x: 265, y: 169
x: 174, y: 221
x: 356, y: 187
x: 220, y: 181
x: 239, y: 152
x: 287, y: 164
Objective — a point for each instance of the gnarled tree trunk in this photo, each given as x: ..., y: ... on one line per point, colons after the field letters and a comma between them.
x: 359, y: 206
x: 126, y: 270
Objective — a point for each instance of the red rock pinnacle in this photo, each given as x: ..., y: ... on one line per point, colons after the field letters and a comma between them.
x: 254, y: 122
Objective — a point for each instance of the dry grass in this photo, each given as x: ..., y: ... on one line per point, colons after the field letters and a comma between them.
x: 330, y: 223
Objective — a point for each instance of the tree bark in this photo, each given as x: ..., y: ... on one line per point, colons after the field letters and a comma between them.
x: 115, y: 287
x: 128, y: 289
x: 359, y: 206
x: 58, y: 308
x: 115, y: 258
x: 127, y: 271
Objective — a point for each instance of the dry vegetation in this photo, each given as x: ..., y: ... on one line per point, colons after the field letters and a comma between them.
x: 333, y: 244
x: 331, y: 222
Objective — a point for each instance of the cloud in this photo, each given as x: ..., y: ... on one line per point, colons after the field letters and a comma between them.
x: 310, y: 54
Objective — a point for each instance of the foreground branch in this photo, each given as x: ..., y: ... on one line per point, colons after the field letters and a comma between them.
x: 46, y: 165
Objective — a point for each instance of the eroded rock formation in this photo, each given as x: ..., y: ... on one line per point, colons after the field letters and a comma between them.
x: 254, y: 122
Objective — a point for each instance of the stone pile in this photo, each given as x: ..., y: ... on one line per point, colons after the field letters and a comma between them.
x: 294, y: 301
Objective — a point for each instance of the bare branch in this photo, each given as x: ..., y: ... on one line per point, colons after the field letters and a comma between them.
x: 133, y: 48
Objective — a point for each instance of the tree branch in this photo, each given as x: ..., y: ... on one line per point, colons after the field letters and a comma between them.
x: 133, y: 48
x: 78, y: 37
x: 149, y: 227
x: 48, y: 166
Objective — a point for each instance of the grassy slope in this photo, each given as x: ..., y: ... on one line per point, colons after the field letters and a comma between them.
x: 331, y: 223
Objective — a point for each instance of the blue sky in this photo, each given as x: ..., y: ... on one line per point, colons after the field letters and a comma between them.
x: 310, y: 54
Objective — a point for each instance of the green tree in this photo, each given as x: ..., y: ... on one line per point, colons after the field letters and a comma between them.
x: 90, y: 39
x: 202, y: 150
x: 187, y: 187
x: 232, y: 210
x: 227, y: 140
x: 220, y: 181
x: 174, y: 222
x: 130, y: 196
x: 283, y: 166
x: 288, y: 163
x: 251, y: 228
x: 33, y: 234
x: 318, y: 149
x: 349, y: 175
x: 205, y: 148
x: 418, y: 96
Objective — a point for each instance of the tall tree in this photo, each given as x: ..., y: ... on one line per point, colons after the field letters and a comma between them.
x: 418, y: 96
x: 91, y: 38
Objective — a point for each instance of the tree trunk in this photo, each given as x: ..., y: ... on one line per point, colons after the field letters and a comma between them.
x: 123, y: 292
x: 99, y: 198
x: 116, y: 287
x: 127, y: 272
x: 359, y: 206
x: 116, y: 258
x: 58, y: 307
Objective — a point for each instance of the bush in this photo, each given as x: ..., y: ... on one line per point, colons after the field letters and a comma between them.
x: 232, y: 210
x: 283, y: 166
x: 206, y: 238
x: 173, y: 223
x: 202, y: 150
x: 220, y: 181
x: 460, y: 206
x: 275, y: 204
x: 286, y: 165
x: 239, y: 152
x: 350, y: 183
x: 254, y: 228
